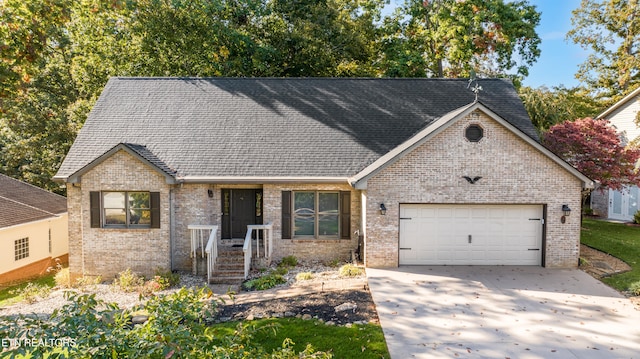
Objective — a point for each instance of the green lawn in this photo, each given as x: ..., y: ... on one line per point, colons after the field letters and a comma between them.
x: 359, y: 341
x: 618, y: 240
x: 10, y: 295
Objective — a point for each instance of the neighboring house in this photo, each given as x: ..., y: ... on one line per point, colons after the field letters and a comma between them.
x: 335, y: 165
x: 33, y: 230
x: 620, y: 205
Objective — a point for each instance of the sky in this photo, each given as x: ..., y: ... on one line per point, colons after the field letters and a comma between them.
x: 559, y: 58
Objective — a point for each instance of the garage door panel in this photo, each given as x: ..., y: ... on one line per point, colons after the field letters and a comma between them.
x: 500, y: 234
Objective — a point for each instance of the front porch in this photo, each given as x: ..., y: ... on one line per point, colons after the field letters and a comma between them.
x: 228, y: 261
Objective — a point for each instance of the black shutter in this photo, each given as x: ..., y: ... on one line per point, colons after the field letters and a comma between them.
x: 286, y: 214
x: 94, y: 209
x: 155, y: 209
x: 345, y: 215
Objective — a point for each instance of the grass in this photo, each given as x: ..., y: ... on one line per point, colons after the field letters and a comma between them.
x: 618, y: 240
x: 359, y: 341
x: 11, y: 295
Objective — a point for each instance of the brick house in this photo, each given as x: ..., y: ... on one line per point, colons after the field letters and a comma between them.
x: 33, y: 230
x: 402, y: 171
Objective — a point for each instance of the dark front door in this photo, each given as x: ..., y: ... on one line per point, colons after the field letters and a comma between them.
x: 240, y: 208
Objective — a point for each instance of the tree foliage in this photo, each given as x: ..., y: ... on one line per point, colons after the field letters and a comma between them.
x: 595, y: 149
x: 550, y: 106
x: 449, y: 38
x: 611, y: 29
x: 56, y: 55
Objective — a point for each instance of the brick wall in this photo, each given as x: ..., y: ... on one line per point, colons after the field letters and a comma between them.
x: 108, y: 251
x: 512, y: 172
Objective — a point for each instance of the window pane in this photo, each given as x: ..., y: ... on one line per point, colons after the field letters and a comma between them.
x: 115, y: 216
x: 328, y: 214
x: 139, y: 204
x: 139, y: 200
x: 304, y: 214
x: 140, y: 216
x: 114, y: 200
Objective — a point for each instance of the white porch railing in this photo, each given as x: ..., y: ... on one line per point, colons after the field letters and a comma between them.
x: 267, y: 241
x: 197, y: 241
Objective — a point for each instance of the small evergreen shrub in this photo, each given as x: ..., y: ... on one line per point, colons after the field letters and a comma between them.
x: 288, y: 261
x: 635, y: 288
x: 349, y: 270
x: 636, y: 217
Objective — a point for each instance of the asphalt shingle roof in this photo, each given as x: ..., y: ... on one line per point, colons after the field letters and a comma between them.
x: 270, y: 127
x: 22, y: 203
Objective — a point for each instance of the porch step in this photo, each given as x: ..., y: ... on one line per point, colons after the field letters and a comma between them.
x: 229, y: 268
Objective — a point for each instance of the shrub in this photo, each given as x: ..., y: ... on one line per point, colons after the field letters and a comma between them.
x: 636, y: 217
x: 334, y: 263
x: 32, y: 292
x: 349, y: 270
x: 304, y: 276
x: 265, y: 282
x: 62, y: 278
x: 127, y: 281
x: 172, y: 279
x: 280, y: 270
x: 634, y: 288
x: 288, y: 261
x: 177, y: 328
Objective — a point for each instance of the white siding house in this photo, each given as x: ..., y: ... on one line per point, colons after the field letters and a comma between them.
x: 620, y: 205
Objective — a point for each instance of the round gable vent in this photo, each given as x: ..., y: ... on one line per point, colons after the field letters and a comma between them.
x: 474, y: 133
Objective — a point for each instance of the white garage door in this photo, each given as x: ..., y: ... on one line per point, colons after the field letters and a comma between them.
x: 470, y: 234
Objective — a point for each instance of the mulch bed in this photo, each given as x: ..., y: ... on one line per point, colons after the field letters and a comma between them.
x: 320, y: 305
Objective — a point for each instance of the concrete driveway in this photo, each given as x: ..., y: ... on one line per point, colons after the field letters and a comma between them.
x: 502, y: 312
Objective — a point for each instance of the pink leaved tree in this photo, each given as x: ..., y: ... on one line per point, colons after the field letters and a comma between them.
x: 594, y: 148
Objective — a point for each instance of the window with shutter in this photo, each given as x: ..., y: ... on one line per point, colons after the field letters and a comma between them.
x: 125, y: 209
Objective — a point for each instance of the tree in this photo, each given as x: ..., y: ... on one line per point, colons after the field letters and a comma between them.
x: 594, y: 148
x: 547, y: 107
x: 449, y: 38
x: 611, y: 29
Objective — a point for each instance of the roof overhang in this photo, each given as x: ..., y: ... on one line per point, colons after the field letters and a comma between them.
x: 261, y: 180
x: 619, y: 104
x: 359, y: 181
x: 77, y: 176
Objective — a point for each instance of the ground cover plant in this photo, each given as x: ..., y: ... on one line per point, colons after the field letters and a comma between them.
x: 621, y: 241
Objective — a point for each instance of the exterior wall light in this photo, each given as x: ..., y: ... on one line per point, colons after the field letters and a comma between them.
x: 383, y: 209
x: 210, y: 193
x: 566, y: 211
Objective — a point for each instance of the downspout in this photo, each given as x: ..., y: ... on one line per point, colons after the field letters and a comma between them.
x: 172, y: 228
x: 363, y: 225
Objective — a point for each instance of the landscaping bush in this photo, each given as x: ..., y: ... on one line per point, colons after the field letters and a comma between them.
x: 288, y: 261
x: 62, y: 278
x: 127, y: 281
x: 265, y: 282
x: 349, y: 270
x: 634, y: 288
x: 32, y: 292
x: 636, y: 217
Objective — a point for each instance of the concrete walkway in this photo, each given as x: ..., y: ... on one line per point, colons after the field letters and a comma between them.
x: 502, y: 312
